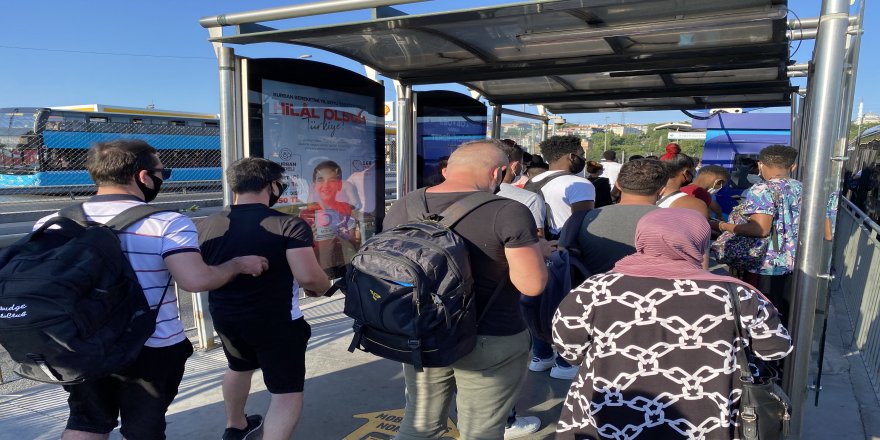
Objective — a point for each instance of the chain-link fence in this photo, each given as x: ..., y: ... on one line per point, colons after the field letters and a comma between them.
x: 43, y: 154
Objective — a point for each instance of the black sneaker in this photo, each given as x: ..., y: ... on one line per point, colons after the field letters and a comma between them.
x: 254, y: 423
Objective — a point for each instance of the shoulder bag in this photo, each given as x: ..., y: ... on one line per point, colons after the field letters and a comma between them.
x: 764, y: 408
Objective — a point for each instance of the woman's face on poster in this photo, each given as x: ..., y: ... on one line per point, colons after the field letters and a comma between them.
x: 327, y: 184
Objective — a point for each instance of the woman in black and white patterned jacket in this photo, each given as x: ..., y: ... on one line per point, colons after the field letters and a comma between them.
x: 655, y: 340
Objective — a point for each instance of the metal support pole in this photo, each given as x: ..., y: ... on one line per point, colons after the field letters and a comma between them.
x: 825, y: 96
x: 228, y: 149
x: 406, y: 149
x: 496, y: 121
x: 204, y: 322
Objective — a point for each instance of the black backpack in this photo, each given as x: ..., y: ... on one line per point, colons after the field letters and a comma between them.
x: 410, y: 289
x: 71, y: 307
x: 565, y: 270
x: 538, y: 187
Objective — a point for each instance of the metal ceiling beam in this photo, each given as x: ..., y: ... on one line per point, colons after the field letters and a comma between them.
x: 471, y: 49
x: 758, y: 103
x: 655, y: 92
x: 296, y: 11
x: 699, y: 60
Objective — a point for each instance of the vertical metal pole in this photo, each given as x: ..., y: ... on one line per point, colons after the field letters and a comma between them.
x: 226, y: 58
x: 824, y: 101
x: 496, y: 121
x: 406, y: 172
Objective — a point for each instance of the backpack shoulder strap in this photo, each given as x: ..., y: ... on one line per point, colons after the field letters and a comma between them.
x: 131, y: 215
x: 462, y: 207
x: 538, y: 186
x: 416, y: 205
x: 76, y: 213
x: 667, y: 197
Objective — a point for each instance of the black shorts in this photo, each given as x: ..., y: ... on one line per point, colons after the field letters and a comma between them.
x: 277, y: 346
x: 139, y: 395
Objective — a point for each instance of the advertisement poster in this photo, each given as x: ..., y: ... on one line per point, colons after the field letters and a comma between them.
x: 326, y: 141
x: 439, y: 136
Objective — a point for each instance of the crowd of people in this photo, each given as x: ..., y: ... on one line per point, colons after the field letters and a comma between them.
x: 648, y: 341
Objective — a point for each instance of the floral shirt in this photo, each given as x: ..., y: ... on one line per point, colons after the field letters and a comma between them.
x: 780, y: 198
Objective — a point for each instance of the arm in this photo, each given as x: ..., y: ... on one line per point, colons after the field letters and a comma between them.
x: 716, y: 209
x: 583, y: 206
x: 527, y: 270
x: 306, y: 270
x: 581, y: 195
x: 192, y: 274
x: 828, y: 235
x: 572, y: 330
x: 757, y: 226
x: 691, y: 202
x: 769, y: 339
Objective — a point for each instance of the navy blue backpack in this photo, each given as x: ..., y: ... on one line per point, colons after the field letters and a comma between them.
x: 565, y: 271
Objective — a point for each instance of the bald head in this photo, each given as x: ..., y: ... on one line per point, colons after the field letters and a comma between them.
x: 476, y: 162
x: 477, y: 156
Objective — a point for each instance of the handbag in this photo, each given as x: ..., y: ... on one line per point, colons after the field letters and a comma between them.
x: 742, y: 252
x: 764, y: 408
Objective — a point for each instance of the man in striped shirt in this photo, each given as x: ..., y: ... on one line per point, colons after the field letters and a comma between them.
x: 159, y: 247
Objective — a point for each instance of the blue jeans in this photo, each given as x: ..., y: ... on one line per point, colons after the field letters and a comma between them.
x: 543, y: 350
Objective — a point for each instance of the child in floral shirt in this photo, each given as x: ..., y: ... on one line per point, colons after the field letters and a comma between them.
x: 773, y: 209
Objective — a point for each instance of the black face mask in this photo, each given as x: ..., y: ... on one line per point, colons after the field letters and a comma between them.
x: 577, y: 164
x: 150, y: 193
x: 273, y: 198
x: 499, y: 180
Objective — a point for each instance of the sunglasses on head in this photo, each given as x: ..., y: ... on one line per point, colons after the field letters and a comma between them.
x: 165, y: 173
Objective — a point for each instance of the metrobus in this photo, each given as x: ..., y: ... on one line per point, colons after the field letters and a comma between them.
x: 733, y: 141
x: 43, y: 150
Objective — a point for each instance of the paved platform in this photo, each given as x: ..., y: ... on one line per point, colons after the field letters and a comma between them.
x: 357, y: 396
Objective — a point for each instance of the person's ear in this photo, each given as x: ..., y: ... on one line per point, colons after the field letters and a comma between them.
x: 793, y: 168
x: 144, y: 177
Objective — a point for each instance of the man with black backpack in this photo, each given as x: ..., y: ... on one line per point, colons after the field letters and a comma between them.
x: 159, y: 246
x: 503, y: 251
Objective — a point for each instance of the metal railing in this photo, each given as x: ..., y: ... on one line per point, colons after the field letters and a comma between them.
x: 857, y: 277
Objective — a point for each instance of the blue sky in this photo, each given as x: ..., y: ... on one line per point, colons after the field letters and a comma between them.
x: 73, y: 52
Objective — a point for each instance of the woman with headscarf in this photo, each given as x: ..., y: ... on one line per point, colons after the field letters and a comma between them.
x: 656, y: 340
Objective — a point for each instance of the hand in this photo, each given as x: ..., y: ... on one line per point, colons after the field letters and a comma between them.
x: 251, y: 265
x: 311, y: 293
x: 547, y: 247
x: 715, y: 225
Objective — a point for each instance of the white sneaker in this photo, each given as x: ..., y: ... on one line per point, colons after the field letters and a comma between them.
x: 538, y: 364
x: 567, y: 373
x: 522, y: 426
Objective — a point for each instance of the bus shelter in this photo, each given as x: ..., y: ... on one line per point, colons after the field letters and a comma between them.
x: 579, y: 56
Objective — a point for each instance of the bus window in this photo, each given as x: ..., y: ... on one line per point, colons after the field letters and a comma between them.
x: 137, y: 121
x: 119, y: 120
x: 743, y: 165
x: 178, y: 123
x: 97, y: 119
x: 212, y: 124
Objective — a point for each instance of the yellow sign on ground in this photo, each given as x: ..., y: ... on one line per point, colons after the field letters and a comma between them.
x: 384, y: 425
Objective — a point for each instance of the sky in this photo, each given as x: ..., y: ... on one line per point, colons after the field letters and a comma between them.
x: 136, y: 53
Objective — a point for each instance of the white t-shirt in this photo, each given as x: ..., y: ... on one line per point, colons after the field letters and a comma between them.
x: 146, y: 243
x: 561, y: 193
x: 533, y: 201
x: 610, y: 170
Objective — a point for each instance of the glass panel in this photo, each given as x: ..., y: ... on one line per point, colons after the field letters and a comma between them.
x: 519, y: 85
x: 19, y: 154
x: 723, y: 76
x: 602, y: 81
x: 13, y: 122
